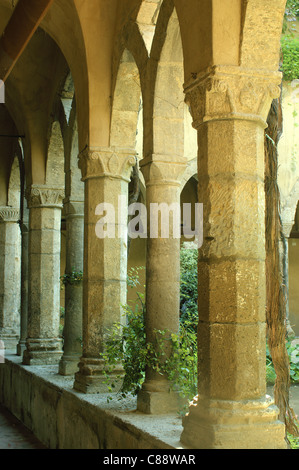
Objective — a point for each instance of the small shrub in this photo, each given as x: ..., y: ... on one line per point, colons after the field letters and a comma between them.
x: 126, y: 344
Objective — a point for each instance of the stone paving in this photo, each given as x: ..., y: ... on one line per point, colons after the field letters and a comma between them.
x: 14, y: 435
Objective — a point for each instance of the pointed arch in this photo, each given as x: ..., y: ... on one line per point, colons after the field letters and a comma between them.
x: 126, y: 103
x: 168, y: 115
x: 55, y: 160
x: 15, y: 186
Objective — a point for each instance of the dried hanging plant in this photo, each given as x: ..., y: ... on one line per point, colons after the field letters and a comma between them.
x: 275, y: 289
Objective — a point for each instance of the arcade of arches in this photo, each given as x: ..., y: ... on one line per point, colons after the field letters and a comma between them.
x: 180, y: 94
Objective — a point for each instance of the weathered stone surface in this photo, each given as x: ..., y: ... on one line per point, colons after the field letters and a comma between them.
x: 233, y: 425
x: 73, y: 318
x: 106, y: 173
x: 162, y: 283
x: 43, y: 345
x: 10, y: 276
x: 229, y: 107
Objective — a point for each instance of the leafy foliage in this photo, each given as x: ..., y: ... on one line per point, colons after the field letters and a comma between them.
x: 174, y: 355
x: 290, y: 53
x: 290, y: 41
x: 189, y: 285
x: 292, y: 8
x: 293, y: 353
x: 73, y: 278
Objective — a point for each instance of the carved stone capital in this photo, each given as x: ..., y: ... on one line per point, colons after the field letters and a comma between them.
x: 73, y: 209
x: 106, y: 162
x: 9, y: 214
x: 227, y: 92
x: 43, y: 196
x: 159, y: 172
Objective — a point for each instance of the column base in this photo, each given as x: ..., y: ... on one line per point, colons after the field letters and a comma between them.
x: 224, y: 424
x: 21, y: 347
x: 10, y: 341
x: 157, y: 398
x: 91, y: 377
x: 69, y: 365
x: 42, y: 351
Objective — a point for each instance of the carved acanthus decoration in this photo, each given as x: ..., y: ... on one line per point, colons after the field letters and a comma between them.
x: 9, y: 214
x: 157, y: 171
x: 106, y: 162
x: 228, y: 92
x: 42, y: 196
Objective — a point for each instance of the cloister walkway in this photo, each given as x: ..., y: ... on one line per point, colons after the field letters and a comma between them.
x: 14, y: 435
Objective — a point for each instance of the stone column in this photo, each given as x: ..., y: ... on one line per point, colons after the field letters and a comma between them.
x: 24, y: 283
x: 106, y: 174
x: 10, y: 274
x: 74, y: 213
x: 43, y: 345
x: 162, y: 278
x: 229, y: 106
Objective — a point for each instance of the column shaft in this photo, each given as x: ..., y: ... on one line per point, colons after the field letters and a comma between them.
x: 106, y: 174
x: 231, y: 410
x: 162, y: 279
x: 73, y: 291
x: 10, y: 274
x: 24, y: 287
x: 43, y: 345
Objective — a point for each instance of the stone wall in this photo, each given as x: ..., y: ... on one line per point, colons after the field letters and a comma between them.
x: 62, y: 418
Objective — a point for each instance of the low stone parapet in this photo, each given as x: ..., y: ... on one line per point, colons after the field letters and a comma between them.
x: 62, y: 418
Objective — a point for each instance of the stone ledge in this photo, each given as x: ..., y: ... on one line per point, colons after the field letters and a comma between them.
x: 62, y: 418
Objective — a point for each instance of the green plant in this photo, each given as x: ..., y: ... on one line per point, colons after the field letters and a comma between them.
x: 294, y: 441
x: 125, y: 343
x: 292, y: 8
x: 174, y: 355
x: 290, y: 56
x: 290, y: 41
x: 293, y: 353
x: 73, y: 278
x: 189, y: 286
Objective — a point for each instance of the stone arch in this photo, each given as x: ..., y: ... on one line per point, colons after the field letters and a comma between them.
x: 126, y: 103
x: 288, y: 210
x: 168, y: 99
x: 55, y: 160
x: 67, y: 97
x: 69, y: 37
x: 256, y: 18
x: 7, y: 150
x: 208, y: 33
x: 189, y: 195
x: 292, y: 266
x: 14, y: 186
x: 190, y: 172
x: 224, y: 33
x: 147, y: 20
x: 33, y: 101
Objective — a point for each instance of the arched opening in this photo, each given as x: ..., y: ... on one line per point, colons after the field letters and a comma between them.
x: 294, y: 275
